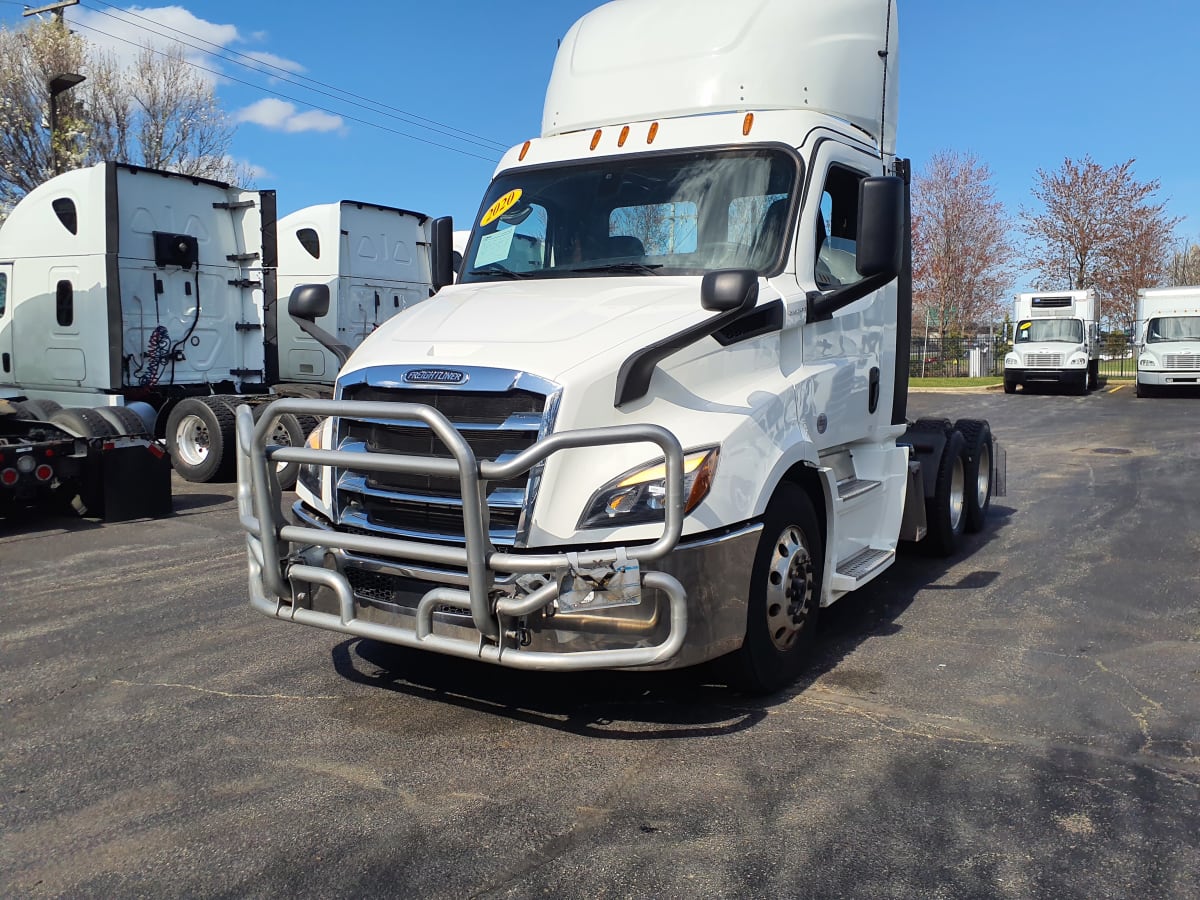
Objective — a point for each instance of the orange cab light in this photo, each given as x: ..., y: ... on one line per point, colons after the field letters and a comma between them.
x: 524, y: 150
x: 747, y: 123
x: 653, y: 133
x: 595, y: 138
x: 624, y: 135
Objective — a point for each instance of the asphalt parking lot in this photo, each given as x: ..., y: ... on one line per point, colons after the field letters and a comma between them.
x: 1021, y: 720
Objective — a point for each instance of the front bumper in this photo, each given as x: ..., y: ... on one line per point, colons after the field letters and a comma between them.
x: 1173, y: 378
x: 1071, y: 377
x: 520, y: 609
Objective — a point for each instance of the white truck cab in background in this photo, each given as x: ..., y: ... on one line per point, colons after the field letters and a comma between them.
x: 1168, y: 339
x: 1056, y: 340
x: 660, y: 416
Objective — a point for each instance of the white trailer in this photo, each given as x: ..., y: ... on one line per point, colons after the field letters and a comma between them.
x: 661, y: 415
x: 135, y: 299
x: 1168, y: 339
x: 1056, y: 340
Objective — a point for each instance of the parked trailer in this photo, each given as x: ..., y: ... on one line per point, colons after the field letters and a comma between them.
x: 128, y: 286
x: 1168, y: 339
x: 660, y: 416
x: 1056, y: 340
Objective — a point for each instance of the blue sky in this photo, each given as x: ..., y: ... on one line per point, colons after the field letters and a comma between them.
x: 1021, y: 84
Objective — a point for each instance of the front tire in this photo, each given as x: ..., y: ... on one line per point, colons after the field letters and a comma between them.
x: 200, y: 439
x: 785, y: 595
x: 1010, y: 387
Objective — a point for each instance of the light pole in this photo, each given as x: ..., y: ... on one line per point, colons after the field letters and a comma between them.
x: 58, y: 84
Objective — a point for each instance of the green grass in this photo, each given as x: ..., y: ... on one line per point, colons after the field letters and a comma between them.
x: 986, y: 381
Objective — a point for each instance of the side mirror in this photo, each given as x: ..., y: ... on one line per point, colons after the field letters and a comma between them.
x: 308, y: 301
x: 306, y: 304
x: 729, y: 289
x: 880, y: 239
x: 442, y: 252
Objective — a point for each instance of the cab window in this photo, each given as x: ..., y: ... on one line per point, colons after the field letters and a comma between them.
x: 837, y: 229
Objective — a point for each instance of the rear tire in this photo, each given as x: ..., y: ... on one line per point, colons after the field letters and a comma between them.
x: 125, y: 422
x: 945, y: 511
x: 785, y: 595
x: 977, y: 474
x: 83, y: 423
x: 200, y: 439
x: 37, y: 410
x: 288, y: 432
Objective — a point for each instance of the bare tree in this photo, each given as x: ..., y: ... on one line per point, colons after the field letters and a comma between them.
x: 962, y: 255
x: 1183, y: 267
x: 1098, y: 228
x: 158, y: 112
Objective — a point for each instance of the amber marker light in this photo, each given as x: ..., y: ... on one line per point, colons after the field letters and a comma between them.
x: 747, y: 123
x: 653, y: 133
x: 595, y: 139
x: 624, y: 135
x: 524, y: 150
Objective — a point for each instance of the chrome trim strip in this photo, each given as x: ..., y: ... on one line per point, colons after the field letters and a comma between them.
x: 500, y: 498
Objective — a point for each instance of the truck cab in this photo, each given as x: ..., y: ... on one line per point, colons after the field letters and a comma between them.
x: 1168, y: 339
x: 660, y: 416
x: 1056, y: 340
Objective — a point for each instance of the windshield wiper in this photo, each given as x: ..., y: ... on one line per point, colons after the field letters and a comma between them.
x: 499, y: 269
x: 640, y: 268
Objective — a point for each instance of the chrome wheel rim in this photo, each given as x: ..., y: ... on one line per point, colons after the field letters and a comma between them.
x: 957, y: 493
x: 983, y: 479
x: 789, y: 588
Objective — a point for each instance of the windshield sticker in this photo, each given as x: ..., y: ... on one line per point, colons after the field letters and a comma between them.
x: 1025, y: 326
x: 494, y: 247
x: 500, y: 207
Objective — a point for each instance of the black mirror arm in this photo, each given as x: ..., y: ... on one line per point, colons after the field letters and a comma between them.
x: 633, y: 379
x: 821, y: 306
x: 325, y: 339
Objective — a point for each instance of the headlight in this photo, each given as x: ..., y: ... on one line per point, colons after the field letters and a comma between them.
x: 1146, y: 362
x: 1012, y: 360
x: 640, y: 495
x: 1078, y: 361
x: 311, y: 479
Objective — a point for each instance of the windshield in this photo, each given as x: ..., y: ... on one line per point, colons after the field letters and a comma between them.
x: 680, y: 213
x: 1041, y: 330
x: 1173, y: 328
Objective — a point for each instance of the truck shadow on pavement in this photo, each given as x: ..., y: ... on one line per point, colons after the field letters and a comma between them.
x: 685, y: 703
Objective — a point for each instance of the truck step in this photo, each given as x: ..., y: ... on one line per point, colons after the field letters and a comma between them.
x: 861, y: 568
x: 849, y: 488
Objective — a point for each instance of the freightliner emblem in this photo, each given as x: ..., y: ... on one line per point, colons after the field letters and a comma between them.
x: 435, y: 376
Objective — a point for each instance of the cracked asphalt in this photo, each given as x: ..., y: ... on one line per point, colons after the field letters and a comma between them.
x: 1022, y: 720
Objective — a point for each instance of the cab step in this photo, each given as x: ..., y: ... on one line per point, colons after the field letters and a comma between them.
x: 860, y: 568
x: 849, y: 488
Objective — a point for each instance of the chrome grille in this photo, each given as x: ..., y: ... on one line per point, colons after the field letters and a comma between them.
x: 1043, y: 360
x: 496, y: 424
x: 1177, y: 362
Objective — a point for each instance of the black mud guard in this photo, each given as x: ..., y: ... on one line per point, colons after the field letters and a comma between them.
x: 928, y: 437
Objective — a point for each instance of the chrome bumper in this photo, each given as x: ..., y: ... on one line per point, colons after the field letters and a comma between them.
x: 501, y: 602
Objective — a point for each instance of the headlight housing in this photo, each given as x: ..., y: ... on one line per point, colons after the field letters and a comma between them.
x: 640, y: 495
x: 1078, y: 360
x: 1012, y: 360
x: 1147, y: 362
x: 310, y: 481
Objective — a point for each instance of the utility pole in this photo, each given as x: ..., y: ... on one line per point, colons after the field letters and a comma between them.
x: 56, y: 8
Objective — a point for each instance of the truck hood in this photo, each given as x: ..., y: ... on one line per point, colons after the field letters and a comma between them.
x: 544, y: 327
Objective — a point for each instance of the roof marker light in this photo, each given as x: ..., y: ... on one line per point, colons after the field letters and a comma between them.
x: 652, y: 133
x: 747, y: 123
x: 595, y: 139
x: 524, y: 150
x: 624, y: 135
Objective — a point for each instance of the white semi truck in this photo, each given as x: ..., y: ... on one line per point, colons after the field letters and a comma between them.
x: 1056, y: 340
x: 661, y: 416
x: 135, y: 303
x: 1168, y: 339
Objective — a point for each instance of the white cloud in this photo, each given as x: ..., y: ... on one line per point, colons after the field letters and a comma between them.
x: 273, y: 62
x: 279, y: 115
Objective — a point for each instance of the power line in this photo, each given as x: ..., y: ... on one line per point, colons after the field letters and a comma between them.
x: 289, y: 77
x: 304, y: 103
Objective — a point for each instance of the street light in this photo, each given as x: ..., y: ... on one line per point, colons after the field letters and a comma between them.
x: 58, y: 84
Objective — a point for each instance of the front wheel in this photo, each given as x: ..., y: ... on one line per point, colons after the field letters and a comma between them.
x: 785, y: 595
x: 1010, y: 387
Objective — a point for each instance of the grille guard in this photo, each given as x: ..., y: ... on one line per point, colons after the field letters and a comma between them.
x: 274, y: 573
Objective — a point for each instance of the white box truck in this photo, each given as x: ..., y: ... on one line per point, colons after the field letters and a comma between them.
x: 135, y: 304
x: 1056, y: 340
x: 1168, y: 339
x: 661, y: 416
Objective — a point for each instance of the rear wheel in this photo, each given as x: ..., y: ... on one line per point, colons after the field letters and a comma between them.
x: 37, y: 410
x: 977, y: 473
x: 83, y: 423
x: 200, y: 438
x: 785, y: 595
x: 945, y: 511
x: 125, y: 422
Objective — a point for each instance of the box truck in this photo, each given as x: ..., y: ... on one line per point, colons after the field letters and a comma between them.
x: 660, y: 417
x: 1168, y: 339
x: 1056, y: 340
